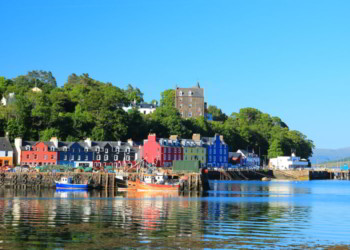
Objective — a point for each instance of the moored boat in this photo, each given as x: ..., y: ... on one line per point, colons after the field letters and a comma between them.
x: 68, y: 183
x: 143, y: 186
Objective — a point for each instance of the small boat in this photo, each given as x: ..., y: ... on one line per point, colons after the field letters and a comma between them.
x: 68, y: 183
x: 156, y: 182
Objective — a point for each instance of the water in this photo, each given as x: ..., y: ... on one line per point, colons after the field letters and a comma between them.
x: 236, y: 215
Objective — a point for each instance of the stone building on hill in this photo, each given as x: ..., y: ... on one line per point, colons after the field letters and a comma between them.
x: 190, y: 101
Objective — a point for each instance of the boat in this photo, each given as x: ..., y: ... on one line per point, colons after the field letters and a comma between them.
x: 158, y: 182
x: 68, y: 183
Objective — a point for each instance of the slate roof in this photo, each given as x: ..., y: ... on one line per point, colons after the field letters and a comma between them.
x: 32, y: 143
x: 5, y: 144
x: 190, y: 143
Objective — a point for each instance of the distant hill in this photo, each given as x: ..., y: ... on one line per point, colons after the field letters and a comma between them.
x: 321, y: 155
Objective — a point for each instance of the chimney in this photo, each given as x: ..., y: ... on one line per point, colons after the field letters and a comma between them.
x: 152, y: 137
x: 196, y: 137
x: 88, y: 142
x: 130, y: 142
x: 18, y: 145
x: 54, y: 140
x: 174, y: 137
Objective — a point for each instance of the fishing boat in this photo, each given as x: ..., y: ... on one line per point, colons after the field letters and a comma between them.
x: 68, y: 183
x: 156, y: 182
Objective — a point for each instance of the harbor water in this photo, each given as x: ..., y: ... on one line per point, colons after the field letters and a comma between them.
x: 234, y: 215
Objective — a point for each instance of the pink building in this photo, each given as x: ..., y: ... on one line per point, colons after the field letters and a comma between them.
x: 162, y: 152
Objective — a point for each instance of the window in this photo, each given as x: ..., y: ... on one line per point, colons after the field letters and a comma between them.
x: 190, y: 99
x: 51, y: 157
x: 127, y: 158
x: 65, y: 149
x: 190, y: 105
x: 27, y: 156
x: 189, y: 114
x: 86, y: 158
x: 106, y: 157
x: 52, y: 148
x: 65, y: 157
x: 116, y: 157
x: 127, y: 150
x: 165, y: 157
x: 79, y: 157
x: 181, y: 93
x: 98, y: 149
x: 165, y: 150
x: 45, y: 157
x: 106, y: 150
x: 209, y: 157
x: 190, y: 93
x: 117, y: 149
x: 86, y: 149
x: 28, y: 148
x: 35, y: 157
x: 98, y: 157
x: 72, y: 157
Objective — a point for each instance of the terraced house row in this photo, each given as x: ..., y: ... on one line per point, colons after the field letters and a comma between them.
x: 210, y: 151
x: 85, y: 153
x: 161, y: 152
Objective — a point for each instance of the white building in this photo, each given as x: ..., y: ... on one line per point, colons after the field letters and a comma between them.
x: 8, y: 100
x: 287, y: 163
x: 144, y: 108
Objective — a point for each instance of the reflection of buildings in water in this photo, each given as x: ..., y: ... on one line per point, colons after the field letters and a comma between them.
x: 16, y: 211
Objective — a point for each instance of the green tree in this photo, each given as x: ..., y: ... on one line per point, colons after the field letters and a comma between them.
x: 168, y: 98
x: 217, y: 113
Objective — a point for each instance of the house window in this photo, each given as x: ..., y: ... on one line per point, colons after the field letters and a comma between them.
x: 165, y: 150
x: 79, y: 157
x: 45, y: 157
x: 65, y: 149
x: 180, y: 93
x: 27, y: 156
x: 128, y: 150
x: 106, y: 150
x: 190, y: 105
x: 115, y: 157
x: 72, y: 157
x: 190, y: 93
x: 116, y: 149
x: 209, y: 157
x: 35, y: 157
x: 51, y: 157
x: 189, y: 114
x: 98, y: 149
x: 52, y: 148
x: 106, y: 157
x: 65, y: 157
x: 86, y: 158
x: 28, y: 148
x: 86, y: 149
x: 165, y: 157
x: 98, y: 157
x: 127, y: 158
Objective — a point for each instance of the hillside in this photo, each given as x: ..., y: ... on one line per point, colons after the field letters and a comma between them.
x: 326, y: 155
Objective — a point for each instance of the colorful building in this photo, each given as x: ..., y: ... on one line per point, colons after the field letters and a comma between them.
x: 6, y: 152
x: 217, y: 151
x: 74, y: 154
x: 36, y: 153
x: 162, y: 152
x: 194, y: 151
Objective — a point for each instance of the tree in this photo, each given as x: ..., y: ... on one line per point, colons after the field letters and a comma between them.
x: 168, y: 98
x: 133, y: 94
x: 45, y: 77
x: 217, y: 114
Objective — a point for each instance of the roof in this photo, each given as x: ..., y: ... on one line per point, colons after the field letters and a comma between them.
x: 234, y: 155
x: 32, y: 143
x: 5, y: 144
x: 190, y: 143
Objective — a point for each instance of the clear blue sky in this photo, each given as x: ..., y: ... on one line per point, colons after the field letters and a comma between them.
x: 287, y: 58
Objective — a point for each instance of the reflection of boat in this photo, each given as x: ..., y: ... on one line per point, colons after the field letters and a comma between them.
x: 74, y: 193
x: 68, y: 183
x: 143, y: 186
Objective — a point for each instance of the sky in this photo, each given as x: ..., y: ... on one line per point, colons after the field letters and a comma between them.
x: 287, y: 58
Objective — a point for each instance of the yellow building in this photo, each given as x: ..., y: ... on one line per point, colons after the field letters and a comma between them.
x: 193, y: 151
x: 6, y: 152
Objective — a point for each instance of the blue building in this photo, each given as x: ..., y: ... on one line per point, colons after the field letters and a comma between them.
x: 217, y: 151
x: 75, y: 154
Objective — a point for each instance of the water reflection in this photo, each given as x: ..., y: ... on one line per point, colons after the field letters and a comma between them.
x: 234, y: 215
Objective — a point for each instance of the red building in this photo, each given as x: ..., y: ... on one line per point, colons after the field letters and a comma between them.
x: 161, y: 152
x: 38, y: 154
